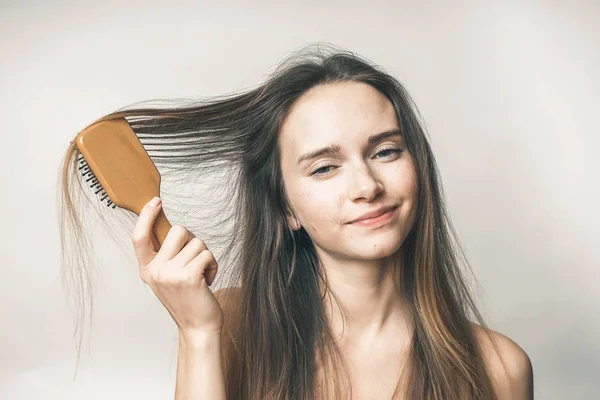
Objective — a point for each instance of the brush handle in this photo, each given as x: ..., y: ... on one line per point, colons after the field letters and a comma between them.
x: 161, y: 227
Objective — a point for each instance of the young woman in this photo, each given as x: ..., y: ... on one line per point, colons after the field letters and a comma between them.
x: 347, y: 280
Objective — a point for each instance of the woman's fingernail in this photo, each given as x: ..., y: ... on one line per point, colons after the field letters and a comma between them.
x: 154, y: 202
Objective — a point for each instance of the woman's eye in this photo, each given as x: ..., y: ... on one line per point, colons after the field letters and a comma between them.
x: 394, y: 150
x: 316, y: 171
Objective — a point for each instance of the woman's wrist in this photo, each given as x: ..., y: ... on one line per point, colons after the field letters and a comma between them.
x: 201, y: 339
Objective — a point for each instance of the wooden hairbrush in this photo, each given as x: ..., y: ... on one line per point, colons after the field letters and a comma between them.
x: 115, y: 164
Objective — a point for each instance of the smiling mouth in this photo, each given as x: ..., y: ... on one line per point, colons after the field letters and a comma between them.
x: 380, y: 220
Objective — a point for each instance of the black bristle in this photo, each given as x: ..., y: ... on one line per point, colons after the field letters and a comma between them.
x: 93, y: 182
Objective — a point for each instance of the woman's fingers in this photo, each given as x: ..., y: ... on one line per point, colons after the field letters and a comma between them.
x: 204, y: 264
x: 180, y: 247
x: 211, y: 272
x: 194, y: 247
x: 178, y: 272
x: 177, y: 237
x: 142, y: 233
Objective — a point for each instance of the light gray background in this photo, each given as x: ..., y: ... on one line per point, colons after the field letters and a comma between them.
x: 509, y: 91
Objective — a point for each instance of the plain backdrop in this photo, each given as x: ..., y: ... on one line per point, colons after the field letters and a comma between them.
x: 509, y: 91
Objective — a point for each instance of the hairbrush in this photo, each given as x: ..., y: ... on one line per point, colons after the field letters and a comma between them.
x: 115, y: 164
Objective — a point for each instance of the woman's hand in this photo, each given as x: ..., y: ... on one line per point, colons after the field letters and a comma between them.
x: 179, y: 273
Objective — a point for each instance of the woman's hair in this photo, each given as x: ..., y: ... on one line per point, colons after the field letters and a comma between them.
x: 281, y: 331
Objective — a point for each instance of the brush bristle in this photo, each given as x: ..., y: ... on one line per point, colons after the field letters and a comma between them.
x: 92, y: 181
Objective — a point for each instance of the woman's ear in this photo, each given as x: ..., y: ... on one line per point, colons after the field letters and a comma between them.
x: 293, y: 222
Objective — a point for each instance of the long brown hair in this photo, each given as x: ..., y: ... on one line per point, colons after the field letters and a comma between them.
x: 282, y: 331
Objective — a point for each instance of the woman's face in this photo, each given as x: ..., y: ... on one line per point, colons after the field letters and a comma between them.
x: 329, y: 190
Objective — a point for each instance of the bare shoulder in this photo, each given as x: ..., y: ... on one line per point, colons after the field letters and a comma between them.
x: 228, y: 297
x: 229, y: 300
x: 508, y: 365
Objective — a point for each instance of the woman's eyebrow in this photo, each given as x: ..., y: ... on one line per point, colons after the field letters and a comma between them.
x: 333, y: 149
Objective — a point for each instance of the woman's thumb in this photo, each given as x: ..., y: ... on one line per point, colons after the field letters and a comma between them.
x: 142, y: 237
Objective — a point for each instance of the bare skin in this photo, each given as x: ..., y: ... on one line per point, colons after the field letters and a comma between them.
x: 362, y: 177
x: 326, y: 193
x: 329, y: 191
x: 179, y: 272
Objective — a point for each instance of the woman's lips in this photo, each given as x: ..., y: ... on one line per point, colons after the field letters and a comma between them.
x: 376, y: 221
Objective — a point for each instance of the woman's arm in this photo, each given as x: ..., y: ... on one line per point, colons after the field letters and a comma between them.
x: 179, y: 271
x: 199, y: 367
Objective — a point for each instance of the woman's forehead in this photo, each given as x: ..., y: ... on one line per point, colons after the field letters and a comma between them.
x: 335, y: 113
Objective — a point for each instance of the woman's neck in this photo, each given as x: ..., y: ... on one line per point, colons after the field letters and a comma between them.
x: 367, y: 292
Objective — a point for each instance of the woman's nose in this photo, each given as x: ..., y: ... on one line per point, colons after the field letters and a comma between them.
x: 364, y: 184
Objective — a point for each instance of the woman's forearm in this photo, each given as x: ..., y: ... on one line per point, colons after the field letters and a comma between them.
x: 199, y: 367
